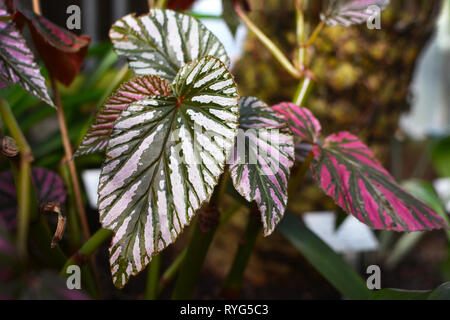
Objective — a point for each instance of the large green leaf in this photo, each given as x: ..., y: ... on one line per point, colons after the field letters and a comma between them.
x: 161, y: 42
x: 163, y: 160
x: 262, y: 175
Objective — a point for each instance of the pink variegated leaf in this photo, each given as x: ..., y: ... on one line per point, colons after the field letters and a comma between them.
x: 348, y: 172
x: 48, y: 185
x: 348, y: 12
x: 260, y: 170
x: 304, y: 126
x: 134, y: 90
x: 17, y: 63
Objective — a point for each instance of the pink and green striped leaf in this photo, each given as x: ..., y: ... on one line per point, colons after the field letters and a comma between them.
x: 303, y: 124
x: 163, y: 41
x: 17, y: 63
x: 96, y: 139
x: 348, y: 12
x: 260, y: 170
x: 48, y: 185
x: 163, y: 160
x: 349, y: 173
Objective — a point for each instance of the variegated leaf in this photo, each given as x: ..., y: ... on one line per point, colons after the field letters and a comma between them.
x: 48, y: 185
x: 163, y: 160
x: 263, y: 175
x: 62, y: 51
x: 303, y: 124
x: 17, y: 63
x: 161, y: 42
x: 348, y: 172
x: 348, y: 12
x: 136, y: 89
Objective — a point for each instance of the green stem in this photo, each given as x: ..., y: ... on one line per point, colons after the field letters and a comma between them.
x: 301, y: 34
x: 24, y: 179
x: 233, y: 283
x: 89, y: 247
x: 303, y: 89
x: 173, y: 269
x: 151, y: 290
x: 198, y: 247
x: 38, y: 231
x: 75, y: 234
x: 68, y: 151
x: 192, y: 263
x: 272, y: 47
x: 315, y: 34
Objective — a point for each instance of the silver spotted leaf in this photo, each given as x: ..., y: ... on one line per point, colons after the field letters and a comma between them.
x: 96, y: 139
x: 262, y: 159
x: 348, y: 12
x: 17, y: 64
x: 163, y: 41
x: 163, y: 160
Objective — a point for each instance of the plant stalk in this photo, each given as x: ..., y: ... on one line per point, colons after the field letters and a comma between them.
x: 303, y: 89
x: 173, y: 269
x: 70, y: 162
x: 89, y: 247
x: 301, y: 34
x: 199, y: 244
x: 233, y: 283
x: 315, y: 34
x: 154, y: 268
x: 23, y: 186
x: 269, y: 44
x: 37, y: 7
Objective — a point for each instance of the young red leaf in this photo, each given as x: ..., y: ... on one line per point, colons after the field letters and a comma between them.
x: 62, y: 51
x: 180, y: 4
x: 134, y: 90
x: 301, y: 121
x: 348, y: 172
